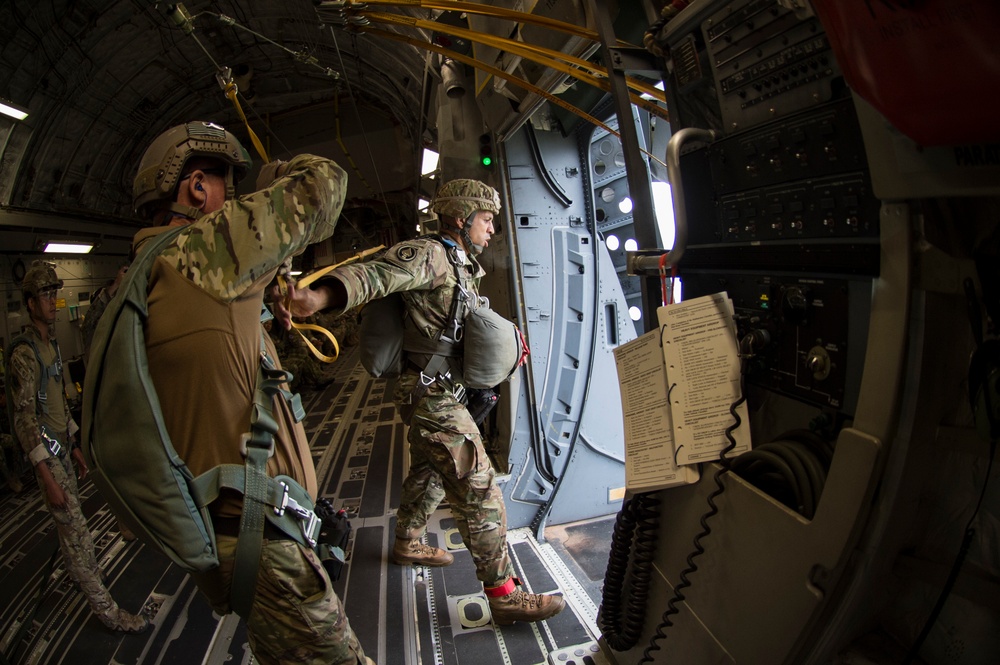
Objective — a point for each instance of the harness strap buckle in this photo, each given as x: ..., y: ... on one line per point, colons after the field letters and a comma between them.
x: 247, y: 437
x: 308, y: 521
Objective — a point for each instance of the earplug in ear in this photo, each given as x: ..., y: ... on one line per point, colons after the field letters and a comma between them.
x: 199, y: 188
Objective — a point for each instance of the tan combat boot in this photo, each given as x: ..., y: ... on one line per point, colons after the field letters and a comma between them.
x: 406, y: 551
x: 509, y: 604
x: 119, y: 619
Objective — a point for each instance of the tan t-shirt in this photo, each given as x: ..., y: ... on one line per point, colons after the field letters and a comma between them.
x: 203, y: 336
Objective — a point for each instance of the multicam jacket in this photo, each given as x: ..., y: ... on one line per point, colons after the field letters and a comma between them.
x: 422, y: 272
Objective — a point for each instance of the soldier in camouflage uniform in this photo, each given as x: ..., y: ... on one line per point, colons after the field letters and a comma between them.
x: 446, y: 450
x: 41, y: 414
x: 203, y: 339
x: 98, y: 303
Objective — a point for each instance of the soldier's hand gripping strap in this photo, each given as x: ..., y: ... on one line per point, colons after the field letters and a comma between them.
x: 305, y: 282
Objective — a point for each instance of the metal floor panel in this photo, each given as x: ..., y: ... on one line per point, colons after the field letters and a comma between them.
x: 402, y: 615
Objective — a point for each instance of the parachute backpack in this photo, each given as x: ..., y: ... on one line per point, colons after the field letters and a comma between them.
x: 130, y: 455
x: 140, y: 474
x: 490, y: 347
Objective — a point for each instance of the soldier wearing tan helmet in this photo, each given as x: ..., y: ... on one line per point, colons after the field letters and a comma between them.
x: 447, y: 457
x: 204, y: 349
x: 46, y: 432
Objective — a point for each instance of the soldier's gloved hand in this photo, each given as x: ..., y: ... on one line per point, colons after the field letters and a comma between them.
x: 270, y: 172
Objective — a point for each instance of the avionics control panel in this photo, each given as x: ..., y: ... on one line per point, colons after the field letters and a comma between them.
x: 809, y: 331
x: 780, y: 208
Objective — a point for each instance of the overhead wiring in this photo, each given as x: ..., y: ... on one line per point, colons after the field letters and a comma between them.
x: 469, y: 8
x: 301, y: 56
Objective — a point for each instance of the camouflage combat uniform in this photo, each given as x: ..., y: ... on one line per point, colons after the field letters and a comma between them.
x: 89, y: 324
x: 203, y: 341
x: 74, y: 536
x: 446, y: 449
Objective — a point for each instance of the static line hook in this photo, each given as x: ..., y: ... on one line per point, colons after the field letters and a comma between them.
x: 179, y: 14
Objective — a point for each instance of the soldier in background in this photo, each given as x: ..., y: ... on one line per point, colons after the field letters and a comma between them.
x: 46, y: 431
x: 98, y: 303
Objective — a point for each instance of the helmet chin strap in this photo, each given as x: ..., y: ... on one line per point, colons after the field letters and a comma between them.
x: 186, y: 211
x: 474, y: 249
x: 463, y: 232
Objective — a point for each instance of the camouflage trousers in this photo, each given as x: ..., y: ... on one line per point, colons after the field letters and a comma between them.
x: 296, y: 616
x: 76, y: 542
x: 447, y: 459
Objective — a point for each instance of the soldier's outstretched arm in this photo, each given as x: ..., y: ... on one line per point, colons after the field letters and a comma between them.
x: 227, y: 251
x: 306, y: 302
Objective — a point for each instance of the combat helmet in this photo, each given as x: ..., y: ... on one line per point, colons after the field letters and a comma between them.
x: 40, y: 275
x: 163, y: 162
x: 461, y: 199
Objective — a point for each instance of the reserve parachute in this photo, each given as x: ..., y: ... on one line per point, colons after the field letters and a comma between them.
x: 490, y: 346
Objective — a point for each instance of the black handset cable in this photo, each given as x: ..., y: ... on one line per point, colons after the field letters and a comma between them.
x: 692, y: 567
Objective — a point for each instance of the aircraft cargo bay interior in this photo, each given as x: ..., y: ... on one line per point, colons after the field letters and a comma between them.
x: 500, y: 333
